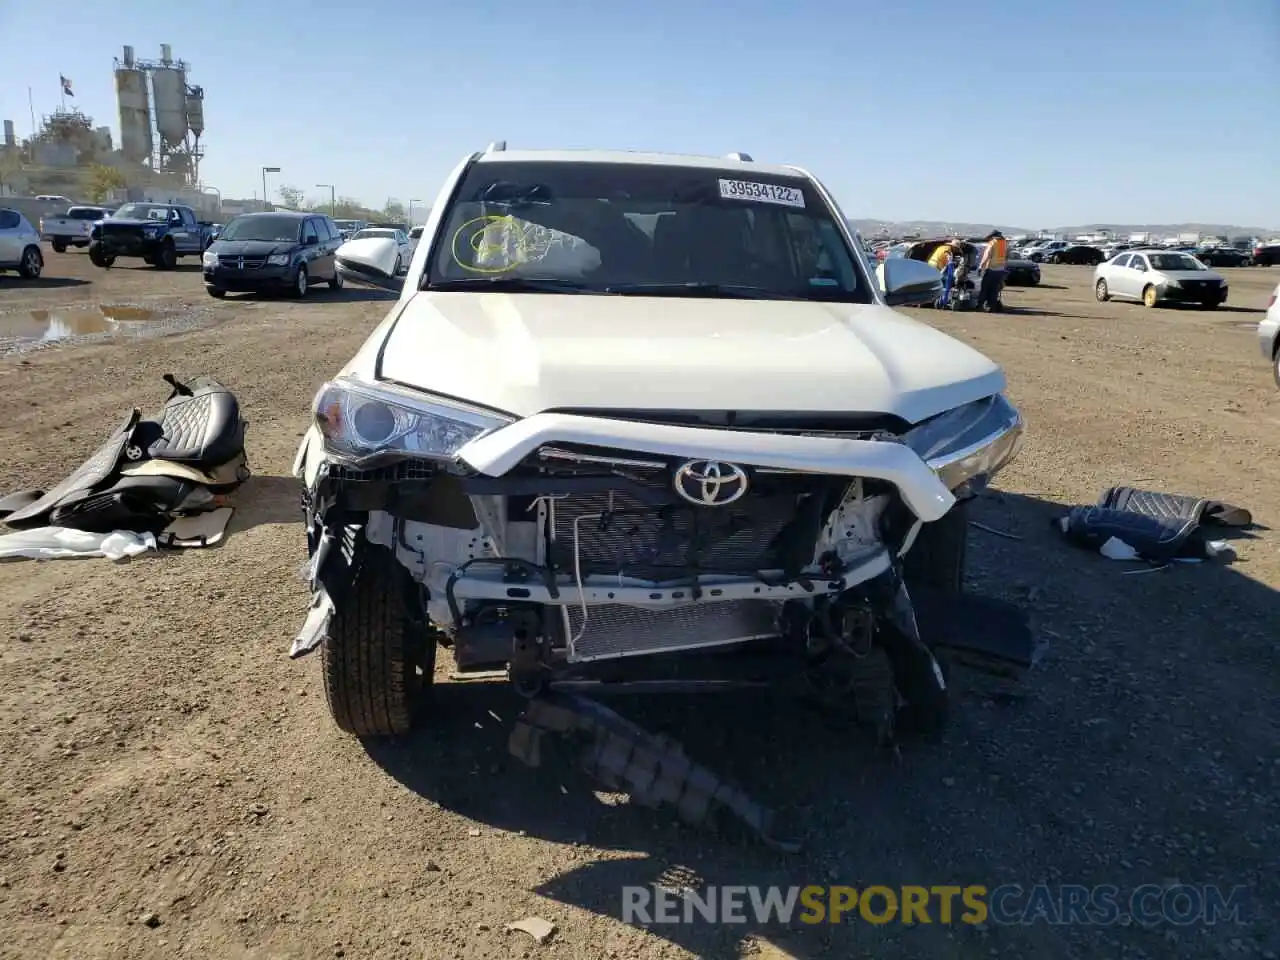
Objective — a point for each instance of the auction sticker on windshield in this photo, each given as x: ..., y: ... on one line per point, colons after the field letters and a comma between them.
x: 761, y: 193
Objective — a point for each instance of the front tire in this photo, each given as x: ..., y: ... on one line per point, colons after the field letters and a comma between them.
x: 301, y: 284
x: 216, y: 292
x: 31, y: 264
x: 1150, y: 298
x: 167, y: 258
x: 59, y: 246
x: 370, y: 676
x: 99, y: 257
x: 938, y: 557
x: 336, y: 282
x: 1101, y: 292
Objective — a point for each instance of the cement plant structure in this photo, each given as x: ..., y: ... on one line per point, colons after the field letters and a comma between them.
x: 161, y: 115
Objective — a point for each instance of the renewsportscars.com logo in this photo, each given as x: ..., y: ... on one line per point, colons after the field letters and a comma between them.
x: 1006, y: 905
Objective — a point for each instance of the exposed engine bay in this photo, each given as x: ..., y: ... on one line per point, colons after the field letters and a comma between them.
x: 590, y: 568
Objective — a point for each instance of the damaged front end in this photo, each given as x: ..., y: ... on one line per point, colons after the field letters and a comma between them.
x: 580, y: 553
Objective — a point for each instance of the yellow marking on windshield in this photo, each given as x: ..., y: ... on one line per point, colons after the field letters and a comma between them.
x: 482, y: 240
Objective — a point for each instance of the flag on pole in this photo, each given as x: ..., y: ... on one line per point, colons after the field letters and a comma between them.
x: 66, y: 85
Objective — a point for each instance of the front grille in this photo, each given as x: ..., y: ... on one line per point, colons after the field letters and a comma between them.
x: 616, y: 630
x: 121, y: 230
x: 661, y: 537
x: 237, y: 262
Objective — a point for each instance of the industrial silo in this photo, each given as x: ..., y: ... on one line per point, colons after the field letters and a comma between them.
x: 170, y: 84
x: 135, y: 109
x: 195, y: 111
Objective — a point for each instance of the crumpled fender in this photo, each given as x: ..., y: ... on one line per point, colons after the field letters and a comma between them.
x: 310, y: 456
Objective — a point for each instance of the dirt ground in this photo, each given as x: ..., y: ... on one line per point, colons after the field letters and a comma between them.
x: 171, y: 784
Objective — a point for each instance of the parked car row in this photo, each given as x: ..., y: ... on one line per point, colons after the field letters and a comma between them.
x: 1264, y: 253
x: 283, y: 251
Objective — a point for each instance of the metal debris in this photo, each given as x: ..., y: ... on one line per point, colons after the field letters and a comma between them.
x: 652, y: 769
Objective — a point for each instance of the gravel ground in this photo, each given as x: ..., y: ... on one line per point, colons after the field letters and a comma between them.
x: 171, y: 784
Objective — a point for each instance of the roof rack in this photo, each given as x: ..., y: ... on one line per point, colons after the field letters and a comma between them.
x: 744, y: 157
x: 498, y: 146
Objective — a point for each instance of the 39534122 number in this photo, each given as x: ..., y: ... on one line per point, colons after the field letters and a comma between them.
x: 761, y: 192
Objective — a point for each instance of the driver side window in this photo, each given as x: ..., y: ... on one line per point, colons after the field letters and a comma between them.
x: 309, y: 234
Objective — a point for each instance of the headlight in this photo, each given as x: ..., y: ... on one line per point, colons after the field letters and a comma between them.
x: 360, y: 422
x: 969, y: 443
x: 210, y: 259
x: 278, y: 260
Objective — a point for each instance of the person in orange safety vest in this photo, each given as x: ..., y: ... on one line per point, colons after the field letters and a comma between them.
x: 994, y: 259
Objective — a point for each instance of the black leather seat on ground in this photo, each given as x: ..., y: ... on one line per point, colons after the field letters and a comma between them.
x: 148, y: 470
x: 199, y: 426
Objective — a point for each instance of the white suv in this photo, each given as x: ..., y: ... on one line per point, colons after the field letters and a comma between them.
x: 1269, y: 333
x: 631, y: 409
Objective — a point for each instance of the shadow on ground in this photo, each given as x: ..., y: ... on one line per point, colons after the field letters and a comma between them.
x: 320, y: 294
x: 1140, y: 755
x: 40, y: 283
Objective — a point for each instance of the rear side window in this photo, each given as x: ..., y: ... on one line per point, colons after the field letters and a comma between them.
x: 8, y: 219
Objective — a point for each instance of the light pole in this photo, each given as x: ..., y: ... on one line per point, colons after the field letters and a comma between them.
x: 265, y: 171
x: 332, y: 196
x: 411, y: 203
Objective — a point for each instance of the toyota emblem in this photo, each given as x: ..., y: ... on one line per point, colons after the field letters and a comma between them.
x: 710, y: 483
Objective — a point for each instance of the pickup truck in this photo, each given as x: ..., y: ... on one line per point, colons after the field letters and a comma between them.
x: 159, y: 233
x: 72, y: 229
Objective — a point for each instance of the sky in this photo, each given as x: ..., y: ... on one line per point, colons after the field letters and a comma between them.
x: 1028, y: 113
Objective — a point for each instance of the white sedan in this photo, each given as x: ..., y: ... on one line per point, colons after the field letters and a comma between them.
x: 1159, y: 276
x: 404, y: 246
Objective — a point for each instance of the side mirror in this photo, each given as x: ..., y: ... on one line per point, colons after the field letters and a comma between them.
x: 310, y: 241
x: 370, y: 261
x: 904, y: 282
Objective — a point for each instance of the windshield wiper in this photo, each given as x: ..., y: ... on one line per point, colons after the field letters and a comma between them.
x: 733, y: 291
x: 513, y: 285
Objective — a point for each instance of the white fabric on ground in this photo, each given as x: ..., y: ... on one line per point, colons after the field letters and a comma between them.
x: 54, y: 543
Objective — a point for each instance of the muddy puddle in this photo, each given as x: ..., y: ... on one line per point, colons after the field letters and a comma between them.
x: 23, y: 330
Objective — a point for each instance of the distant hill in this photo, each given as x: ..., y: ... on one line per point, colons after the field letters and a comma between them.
x: 937, y: 228
x: 870, y: 229
x: 1227, y: 229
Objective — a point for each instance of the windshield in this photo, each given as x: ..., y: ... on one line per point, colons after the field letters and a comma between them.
x: 142, y: 211
x: 263, y: 227
x: 390, y: 234
x: 1174, y: 261
x: 346, y: 224
x: 644, y: 229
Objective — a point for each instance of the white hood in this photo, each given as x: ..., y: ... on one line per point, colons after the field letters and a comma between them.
x: 527, y: 353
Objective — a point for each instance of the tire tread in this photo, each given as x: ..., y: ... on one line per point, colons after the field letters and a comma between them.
x: 364, y: 658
